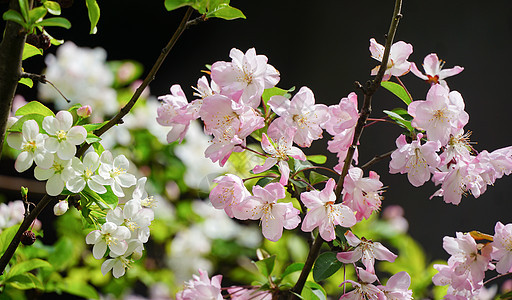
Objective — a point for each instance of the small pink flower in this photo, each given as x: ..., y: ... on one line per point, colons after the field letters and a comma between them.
x: 324, y: 214
x: 363, y: 289
x: 343, y: 115
x: 502, y: 247
x: 229, y: 192
x: 397, y: 286
x: 433, y: 70
x: 201, y: 287
x: 362, y: 195
x: 397, y: 62
x: 84, y: 111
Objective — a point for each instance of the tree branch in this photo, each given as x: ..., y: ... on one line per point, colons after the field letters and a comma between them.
x: 377, y: 158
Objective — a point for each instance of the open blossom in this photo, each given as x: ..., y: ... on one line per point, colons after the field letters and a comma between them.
x: 62, y: 138
x: 114, y: 172
x: 440, y: 115
x: 362, y: 195
x: 433, y: 70
x: 502, y: 247
x: 245, y: 78
x: 301, y: 113
x: 323, y: 213
x: 31, y: 144
x: 252, y: 293
x: 343, y: 115
x: 57, y: 175
x: 134, y: 217
x: 263, y: 206
x: 363, y: 289
x: 111, y: 236
x: 366, y: 251
x: 279, y: 152
x: 85, y: 174
x: 414, y: 159
x: 228, y: 193
x: 397, y: 62
x: 201, y: 287
x: 397, y: 287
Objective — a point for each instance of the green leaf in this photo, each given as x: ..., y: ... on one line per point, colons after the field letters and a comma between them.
x: 314, y: 291
x: 174, y: 4
x: 110, y: 198
x: 60, y: 257
x: 14, y: 16
x: 52, y: 7
x: 315, y: 178
x: 266, y: 266
x: 57, y: 22
x: 275, y: 91
x: 98, y: 148
x: 24, y: 8
x: 301, y: 164
x: 92, y: 138
x: 295, y: 267
x: 29, y: 51
x: 400, y: 120
x: 6, y: 237
x: 398, y: 90
x: 34, y: 107
x: 18, y: 126
x: 26, y: 81
x: 25, y: 282
x: 94, y: 14
x: 317, y: 159
x: 26, y: 266
x: 36, y: 14
x: 325, y: 266
x: 106, y: 201
x: 264, y: 181
x: 226, y: 12
x: 94, y: 126
x: 80, y: 289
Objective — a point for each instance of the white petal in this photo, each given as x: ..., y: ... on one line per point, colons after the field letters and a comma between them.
x: 66, y: 150
x: 54, y: 185
x: 99, y: 249
x: 76, y: 135
x: 24, y: 161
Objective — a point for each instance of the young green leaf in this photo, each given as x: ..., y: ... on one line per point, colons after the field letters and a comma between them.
x: 400, y: 120
x: 92, y: 138
x: 26, y: 81
x: 94, y: 126
x: 174, y: 4
x: 24, y: 8
x: 398, y: 90
x: 275, y: 91
x: 315, y: 178
x: 266, y: 266
x: 30, y: 50
x: 34, y: 107
x: 36, y: 14
x: 6, y: 237
x: 25, y: 281
x: 18, y: 126
x: 14, y: 16
x: 52, y: 7
x: 94, y: 14
x: 317, y: 159
x: 295, y: 267
x: 26, y: 266
x: 226, y: 12
x: 57, y: 22
x: 325, y: 266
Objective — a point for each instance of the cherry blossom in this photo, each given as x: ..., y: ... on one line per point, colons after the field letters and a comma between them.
x: 414, y: 159
x: 245, y: 78
x: 279, y: 152
x: 114, y: 172
x: 62, y: 137
x: 204, y: 90
x: 440, y: 115
x: 366, y: 251
x: 263, y: 206
x: 141, y: 196
x: 56, y: 175
x: 502, y: 247
x: 201, y: 287
x: 228, y: 193
x: 397, y: 62
x: 363, y: 289
x: 397, y: 287
x: 433, y: 70
x: 85, y: 174
x: 253, y: 293
x: 31, y: 143
x: 111, y: 236
x: 343, y: 115
x: 119, y: 263
x: 300, y: 113
x: 323, y: 213
x: 133, y: 217
x: 362, y: 195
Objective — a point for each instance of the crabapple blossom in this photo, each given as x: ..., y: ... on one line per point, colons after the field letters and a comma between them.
x: 279, y: 151
x: 324, y: 214
x: 60, y: 208
x: 84, y: 111
x: 494, y: 164
x: 62, y: 137
x: 204, y: 90
x: 133, y: 217
x: 433, y: 70
x: 343, y: 115
x: 201, y: 287
x: 119, y: 263
x: 56, y: 175
x: 397, y: 287
x: 252, y: 293
x: 263, y: 206
x: 458, y: 148
x: 111, y: 236
x: 114, y: 172
x: 300, y: 113
x: 397, y: 62
x: 363, y: 289
x: 228, y: 193
x: 362, y: 195
x: 85, y: 174
x: 414, y: 159
x: 31, y: 143
x: 440, y: 115
x: 141, y: 196
x: 340, y: 144
x: 245, y: 78
x: 366, y: 251
x: 502, y: 247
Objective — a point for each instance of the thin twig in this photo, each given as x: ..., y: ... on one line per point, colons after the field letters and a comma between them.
x: 377, y: 158
x: 42, y: 79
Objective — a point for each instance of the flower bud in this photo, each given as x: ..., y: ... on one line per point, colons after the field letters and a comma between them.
x: 84, y: 111
x: 28, y: 238
x: 60, y: 208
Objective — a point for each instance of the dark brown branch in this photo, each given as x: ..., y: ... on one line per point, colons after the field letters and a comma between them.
x: 363, y: 116
x: 377, y: 158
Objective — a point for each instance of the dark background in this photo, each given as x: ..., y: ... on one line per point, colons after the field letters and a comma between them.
x: 324, y: 45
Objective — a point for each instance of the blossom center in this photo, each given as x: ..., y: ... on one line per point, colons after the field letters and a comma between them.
x: 116, y: 172
x: 61, y: 135
x: 29, y: 146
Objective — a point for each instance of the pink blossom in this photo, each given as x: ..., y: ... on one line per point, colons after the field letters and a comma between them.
x: 495, y: 164
x: 363, y: 289
x: 362, y: 195
x: 458, y: 148
x: 414, y: 159
x: 343, y: 115
x: 366, y: 251
x: 245, y: 78
x: 263, y: 206
x: 397, y: 287
x: 201, y: 287
x: 279, y: 152
x: 204, y: 90
x: 301, y: 113
x: 229, y: 192
x: 397, y: 62
x: 440, y: 115
x: 340, y: 144
x: 433, y: 70
x: 324, y: 214
x: 252, y: 293
x: 502, y: 247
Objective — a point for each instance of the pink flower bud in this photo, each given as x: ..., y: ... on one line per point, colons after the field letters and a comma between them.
x: 60, y: 208
x: 84, y: 111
